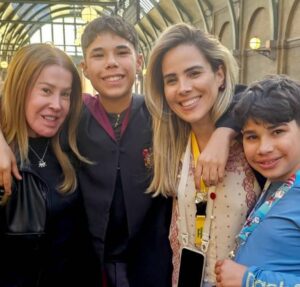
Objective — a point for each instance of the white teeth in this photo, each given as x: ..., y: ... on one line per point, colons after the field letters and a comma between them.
x: 189, y: 102
x: 267, y: 162
x: 50, y: 118
x: 113, y: 78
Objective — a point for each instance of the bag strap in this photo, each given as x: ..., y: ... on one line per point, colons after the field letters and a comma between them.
x: 181, y: 191
x: 181, y: 206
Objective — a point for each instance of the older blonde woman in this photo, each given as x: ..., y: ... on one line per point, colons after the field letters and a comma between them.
x: 41, y: 93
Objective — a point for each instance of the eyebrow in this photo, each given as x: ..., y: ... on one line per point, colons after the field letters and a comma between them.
x: 49, y: 84
x: 185, y: 71
x: 245, y: 132
x: 98, y: 49
x: 273, y: 126
x: 122, y: 47
x: 268, y: 127
x: 118, y: 47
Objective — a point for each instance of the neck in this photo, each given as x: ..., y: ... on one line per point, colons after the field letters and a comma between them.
x: 203, y: 133
x: 115, y: 105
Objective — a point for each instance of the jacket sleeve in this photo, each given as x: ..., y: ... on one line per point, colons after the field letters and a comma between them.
x: 226, y: 120
x: 255, y: 276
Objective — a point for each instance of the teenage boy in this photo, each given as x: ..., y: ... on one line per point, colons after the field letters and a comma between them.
x: 129, y: 226
x: 268, y: 251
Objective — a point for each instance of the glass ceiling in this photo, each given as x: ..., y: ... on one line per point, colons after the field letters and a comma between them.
x: 65, y: 32
x: 23, y: 22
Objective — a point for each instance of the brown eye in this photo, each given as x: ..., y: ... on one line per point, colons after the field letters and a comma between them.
x: 46, y: 90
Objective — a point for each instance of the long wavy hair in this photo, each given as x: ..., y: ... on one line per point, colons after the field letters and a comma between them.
x: 22, y: 73
x: 170, y: 133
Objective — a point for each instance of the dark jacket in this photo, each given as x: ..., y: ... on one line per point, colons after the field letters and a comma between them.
x: 61, y: 257
x: 148, y: 218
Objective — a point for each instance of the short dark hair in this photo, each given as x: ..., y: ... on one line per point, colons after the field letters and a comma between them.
x: 113, y: 24
x: 273, y: 100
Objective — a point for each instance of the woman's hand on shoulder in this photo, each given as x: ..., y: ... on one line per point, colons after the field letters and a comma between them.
x: 212, y: 160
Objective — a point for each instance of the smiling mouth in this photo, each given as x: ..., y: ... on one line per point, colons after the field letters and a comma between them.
x: 268, y: 164
x: 113, y: 78
x: 190, y: 102
x: 50, y: 118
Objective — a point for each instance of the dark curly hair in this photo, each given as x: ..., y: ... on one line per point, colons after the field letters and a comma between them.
x: 273, y: 100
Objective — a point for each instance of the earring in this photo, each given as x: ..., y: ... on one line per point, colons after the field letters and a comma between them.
x: 222, y: 87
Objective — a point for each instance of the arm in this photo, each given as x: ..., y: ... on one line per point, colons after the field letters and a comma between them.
x: 232, y: 274
x: 255, y: 276
x: 212, y: 160
x: 8, y: 165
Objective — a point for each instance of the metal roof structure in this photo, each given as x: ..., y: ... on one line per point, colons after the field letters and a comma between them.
x: 20, y: 20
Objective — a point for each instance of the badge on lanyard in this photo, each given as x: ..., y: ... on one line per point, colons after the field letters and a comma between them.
x: 199, y: 224
x: 200, y: 198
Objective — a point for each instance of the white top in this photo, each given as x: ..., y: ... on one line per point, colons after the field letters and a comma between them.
x: 235, y: 196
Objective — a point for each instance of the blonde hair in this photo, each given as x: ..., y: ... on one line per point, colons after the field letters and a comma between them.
x: 170, y: 133
x: 22, y: 72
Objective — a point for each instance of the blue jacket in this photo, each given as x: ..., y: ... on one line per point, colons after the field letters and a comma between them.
x: 272, y: 251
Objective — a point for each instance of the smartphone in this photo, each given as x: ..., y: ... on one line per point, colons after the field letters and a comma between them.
x: 191, y: 270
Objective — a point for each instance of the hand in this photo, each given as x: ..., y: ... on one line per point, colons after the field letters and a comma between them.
x: 229, y: 274
x: 212, y: 160
x: 8, y: 166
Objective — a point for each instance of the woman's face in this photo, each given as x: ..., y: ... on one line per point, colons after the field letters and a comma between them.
x: 190, y: 85
x: 48, y: 102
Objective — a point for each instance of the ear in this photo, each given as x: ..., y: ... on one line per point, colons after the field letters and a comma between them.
x: 139, y: 63
x: 220, y: 76
x: 83, y: 67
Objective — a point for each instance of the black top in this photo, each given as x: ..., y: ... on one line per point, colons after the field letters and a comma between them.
x: 63, y: 257
x: 116, y: 239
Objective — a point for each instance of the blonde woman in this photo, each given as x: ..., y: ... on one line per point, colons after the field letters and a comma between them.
x: 190, y: 82
x: 41, y: 94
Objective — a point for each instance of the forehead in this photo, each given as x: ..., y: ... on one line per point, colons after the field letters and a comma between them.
x: 253, y: 124
x: 259, y: 125
x: 184, y: 55
x: 108, y: 40
x: 55, y: 75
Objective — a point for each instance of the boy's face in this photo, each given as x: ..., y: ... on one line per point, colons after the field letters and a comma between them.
x: 111, y: 63
x: 274, y: 151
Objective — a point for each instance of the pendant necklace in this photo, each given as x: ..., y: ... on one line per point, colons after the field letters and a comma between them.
x: 42, y: 163
x: 117, y: 122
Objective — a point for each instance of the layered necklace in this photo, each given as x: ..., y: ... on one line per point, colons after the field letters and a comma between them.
x: 42, y: 163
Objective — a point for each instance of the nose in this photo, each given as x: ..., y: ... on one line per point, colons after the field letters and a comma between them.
x: 265, y: 146
x: 184, y: 87
x: 111, y: 61
x: 56, y: 102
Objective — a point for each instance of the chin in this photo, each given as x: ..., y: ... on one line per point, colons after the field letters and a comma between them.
x: 47, y: 134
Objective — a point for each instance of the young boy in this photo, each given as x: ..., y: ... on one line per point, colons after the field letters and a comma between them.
x: 268, y: 252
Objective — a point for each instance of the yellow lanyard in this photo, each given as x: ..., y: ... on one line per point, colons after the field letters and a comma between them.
x: 196, y: 153
x: 200, y: 219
